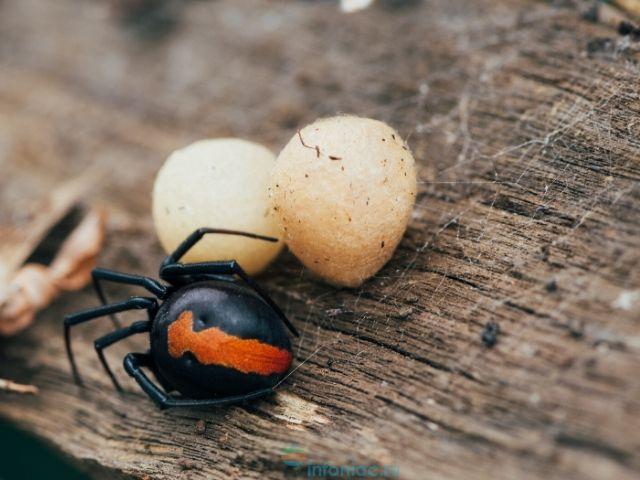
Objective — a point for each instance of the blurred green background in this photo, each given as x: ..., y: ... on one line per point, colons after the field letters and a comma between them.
x: 25, y: 458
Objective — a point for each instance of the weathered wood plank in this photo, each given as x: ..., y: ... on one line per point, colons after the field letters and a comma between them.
x: 525, y: 125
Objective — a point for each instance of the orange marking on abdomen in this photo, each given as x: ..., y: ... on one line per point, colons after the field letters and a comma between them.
x: 215, y: 347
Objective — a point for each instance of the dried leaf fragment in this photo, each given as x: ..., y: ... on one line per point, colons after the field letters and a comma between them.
x: 34, y: 286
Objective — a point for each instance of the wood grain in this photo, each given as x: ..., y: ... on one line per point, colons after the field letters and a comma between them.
x: 523, y: 117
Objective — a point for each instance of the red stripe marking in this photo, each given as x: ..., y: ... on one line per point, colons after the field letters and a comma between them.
x: 216, y: 347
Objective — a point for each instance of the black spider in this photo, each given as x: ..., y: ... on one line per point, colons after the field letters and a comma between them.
x: 212, y: 339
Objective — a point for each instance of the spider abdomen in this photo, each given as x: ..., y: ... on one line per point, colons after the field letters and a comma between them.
x: 218, y: 338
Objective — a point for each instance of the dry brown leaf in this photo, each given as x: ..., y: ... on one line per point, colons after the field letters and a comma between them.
x: 35, y: 286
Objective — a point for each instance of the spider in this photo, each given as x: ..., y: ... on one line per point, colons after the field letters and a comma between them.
x: 213, y: 339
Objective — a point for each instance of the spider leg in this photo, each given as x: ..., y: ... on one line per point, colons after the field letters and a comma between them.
x: 173, y: 402
x: 197, y: 235
x: 133, y: 363
x: 102, y: 274
x: 231, y: 267
x: 115, y: 336
x: 134, y: 303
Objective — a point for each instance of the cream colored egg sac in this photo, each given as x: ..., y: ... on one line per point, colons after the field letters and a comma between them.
x: 343, y: 189
x: 221, y: 183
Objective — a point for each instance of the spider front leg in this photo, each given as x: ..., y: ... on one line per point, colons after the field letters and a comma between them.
x: 116, y: 336
x: 134, y: 303
x: 197, y: 235
x: 174, y: 271
x: 133, y: 364
x: 99, y: 275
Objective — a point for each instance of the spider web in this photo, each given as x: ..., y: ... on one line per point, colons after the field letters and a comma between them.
x: 475, y: 169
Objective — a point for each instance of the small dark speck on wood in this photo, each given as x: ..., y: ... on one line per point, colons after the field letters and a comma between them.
x: 490, y: 334
x: 551, y: 286
x: 627, y: 28
x: 187, y: 464
x: 598, y: 45
x: 576, y: 328
x: 413, y: 298
x: 201, y: 427
x: 544, y: 252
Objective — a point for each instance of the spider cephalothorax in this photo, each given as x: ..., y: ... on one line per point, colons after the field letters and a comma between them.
x: 212, y: 339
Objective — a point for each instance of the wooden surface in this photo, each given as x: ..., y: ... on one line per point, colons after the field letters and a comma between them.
x: 524, y: 118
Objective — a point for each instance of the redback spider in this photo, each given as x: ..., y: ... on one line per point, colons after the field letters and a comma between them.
x: 214, y: 340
